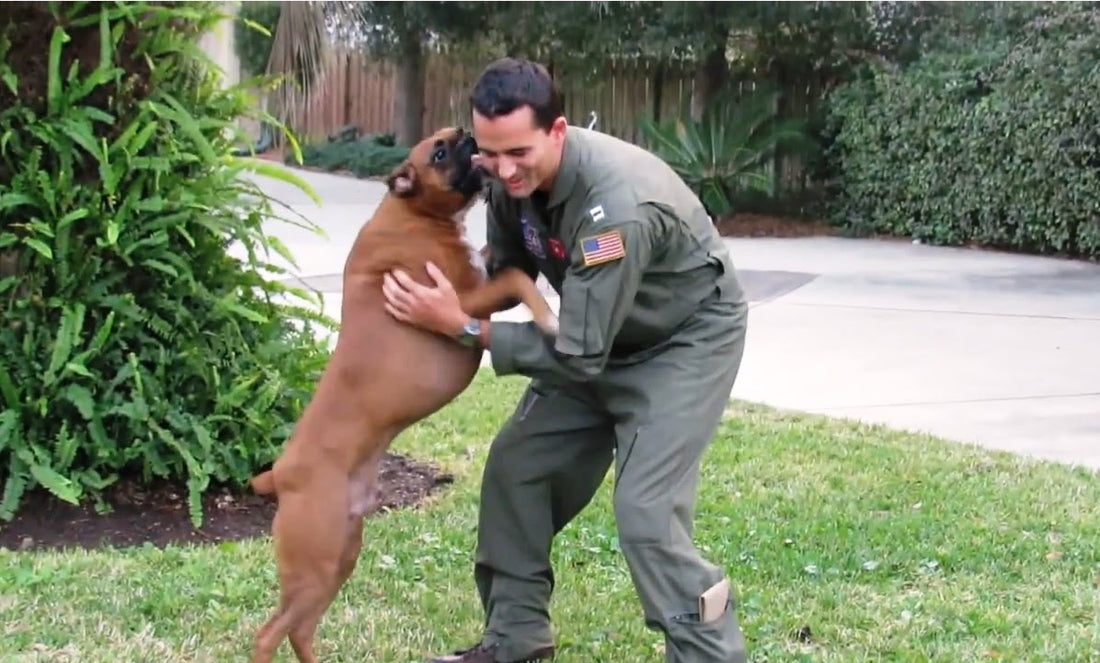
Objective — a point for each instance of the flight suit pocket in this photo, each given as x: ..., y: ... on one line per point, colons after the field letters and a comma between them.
x: 729, y: 288
x: 528, y: 404
x: 713, y: 602
x: 530, y: 397
x: 580, y: 332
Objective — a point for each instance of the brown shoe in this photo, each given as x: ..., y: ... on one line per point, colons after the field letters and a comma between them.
x: 480, y: 653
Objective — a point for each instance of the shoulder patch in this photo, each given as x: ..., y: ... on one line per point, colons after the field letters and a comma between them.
x: 602, y: 248
x: 596, y: 213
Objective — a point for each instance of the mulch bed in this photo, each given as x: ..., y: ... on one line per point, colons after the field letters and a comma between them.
x: 158, y: 514
x: 765, y: 225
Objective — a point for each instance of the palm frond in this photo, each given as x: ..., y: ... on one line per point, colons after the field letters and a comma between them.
x: 300, y: 48
x: 729, y: 150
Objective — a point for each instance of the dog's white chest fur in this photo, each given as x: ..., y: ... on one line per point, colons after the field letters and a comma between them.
x: 476, y: 259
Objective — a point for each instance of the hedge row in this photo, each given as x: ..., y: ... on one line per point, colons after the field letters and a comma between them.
x: 374, y: 155
x: 999, y: 147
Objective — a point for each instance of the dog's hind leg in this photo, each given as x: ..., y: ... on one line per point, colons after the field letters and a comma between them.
x: 301, y: 606
x: 295, y: 606
x: 270, y: 635
x: 304, y: 630
x: 309, y: 535
x: 363, y: 497
x: 273, y: 631
x: 314, y: 603
x: 298, y: 615
x: 305, y: 600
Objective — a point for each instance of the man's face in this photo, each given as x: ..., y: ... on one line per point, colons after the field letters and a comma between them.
x: 517, y: 152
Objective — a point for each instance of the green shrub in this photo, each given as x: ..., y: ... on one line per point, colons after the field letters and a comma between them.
x: 725, y: 156
x: 369, y: 156
x: 998, y: 147
x: 133, y: 344
x: 253, y: 45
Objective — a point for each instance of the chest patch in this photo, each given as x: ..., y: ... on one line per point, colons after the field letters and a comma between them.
x: 557, y: 248
x: 532, y: 240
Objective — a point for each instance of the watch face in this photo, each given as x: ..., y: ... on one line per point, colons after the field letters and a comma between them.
x: 471, y: 333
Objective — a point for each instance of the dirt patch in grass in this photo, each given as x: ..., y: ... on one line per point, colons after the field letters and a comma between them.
x: 158, y: 514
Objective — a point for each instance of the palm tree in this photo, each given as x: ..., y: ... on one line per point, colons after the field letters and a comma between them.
x: 303, y: 38
x: 396, y: 31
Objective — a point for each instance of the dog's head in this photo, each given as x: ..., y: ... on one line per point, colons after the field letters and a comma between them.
x: 439, y: 175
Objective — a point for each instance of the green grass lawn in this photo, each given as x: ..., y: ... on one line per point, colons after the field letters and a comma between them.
x: 888, y: 546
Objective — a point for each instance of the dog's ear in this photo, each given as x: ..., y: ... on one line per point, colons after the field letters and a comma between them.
x: 402, y: 180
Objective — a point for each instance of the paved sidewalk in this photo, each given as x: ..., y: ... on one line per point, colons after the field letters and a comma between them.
x: 979, y: 347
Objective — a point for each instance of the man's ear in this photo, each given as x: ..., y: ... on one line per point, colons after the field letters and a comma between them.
x: 402, y: 180
x: 558, y: 128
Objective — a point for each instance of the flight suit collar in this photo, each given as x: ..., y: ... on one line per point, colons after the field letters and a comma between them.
x: 567, y: 172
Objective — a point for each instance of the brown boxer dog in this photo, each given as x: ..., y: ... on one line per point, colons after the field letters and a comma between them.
x: 383, y: 376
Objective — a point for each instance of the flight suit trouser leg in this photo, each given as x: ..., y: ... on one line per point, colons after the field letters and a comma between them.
x: 668, y: 408
x: 543, y: 467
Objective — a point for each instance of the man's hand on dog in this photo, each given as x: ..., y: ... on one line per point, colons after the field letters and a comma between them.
x: 433, y: 308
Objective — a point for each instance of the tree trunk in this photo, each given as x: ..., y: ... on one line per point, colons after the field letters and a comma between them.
x: 349, y: 98
x: 658, y: 86
x: 8, y: 263
x: 9, y: 266
x: 408, y: 99
x: 710, y: 77
x: 781, y: 165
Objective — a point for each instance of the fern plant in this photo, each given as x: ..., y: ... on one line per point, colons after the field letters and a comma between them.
x: 133, y: 342
x: 729, y: 150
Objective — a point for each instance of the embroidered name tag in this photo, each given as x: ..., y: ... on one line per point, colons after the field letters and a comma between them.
x: 532, y: 240
x: 601, y: 248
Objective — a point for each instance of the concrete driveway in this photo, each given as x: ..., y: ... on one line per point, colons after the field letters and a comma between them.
x: 974, y: 346
x: 978, y: 347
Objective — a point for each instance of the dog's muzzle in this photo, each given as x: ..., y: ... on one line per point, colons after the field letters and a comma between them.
x: 468, y: 179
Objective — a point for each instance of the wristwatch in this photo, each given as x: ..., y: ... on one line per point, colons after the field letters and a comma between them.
x: 470, y: 335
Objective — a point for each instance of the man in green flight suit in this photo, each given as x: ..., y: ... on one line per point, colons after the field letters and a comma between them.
x: 652, y: 330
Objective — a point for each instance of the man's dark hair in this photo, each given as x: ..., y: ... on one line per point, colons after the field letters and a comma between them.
x: 509, y: 83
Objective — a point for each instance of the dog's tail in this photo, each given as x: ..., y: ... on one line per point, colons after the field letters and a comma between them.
x: 263, y: 483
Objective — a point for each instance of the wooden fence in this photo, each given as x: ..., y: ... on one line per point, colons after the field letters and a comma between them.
x: 359, y: 91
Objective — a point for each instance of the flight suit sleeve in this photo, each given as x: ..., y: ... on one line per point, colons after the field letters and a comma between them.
x: 607, y: 263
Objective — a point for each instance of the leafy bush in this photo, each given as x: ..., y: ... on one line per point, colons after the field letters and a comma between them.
x: 253, y: 45
x: 370, y: 156
x: 133, y: 344
x: 998, y: 147
x: 725, y: 156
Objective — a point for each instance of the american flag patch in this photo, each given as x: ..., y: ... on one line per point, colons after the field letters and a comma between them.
x: 602, y: 248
